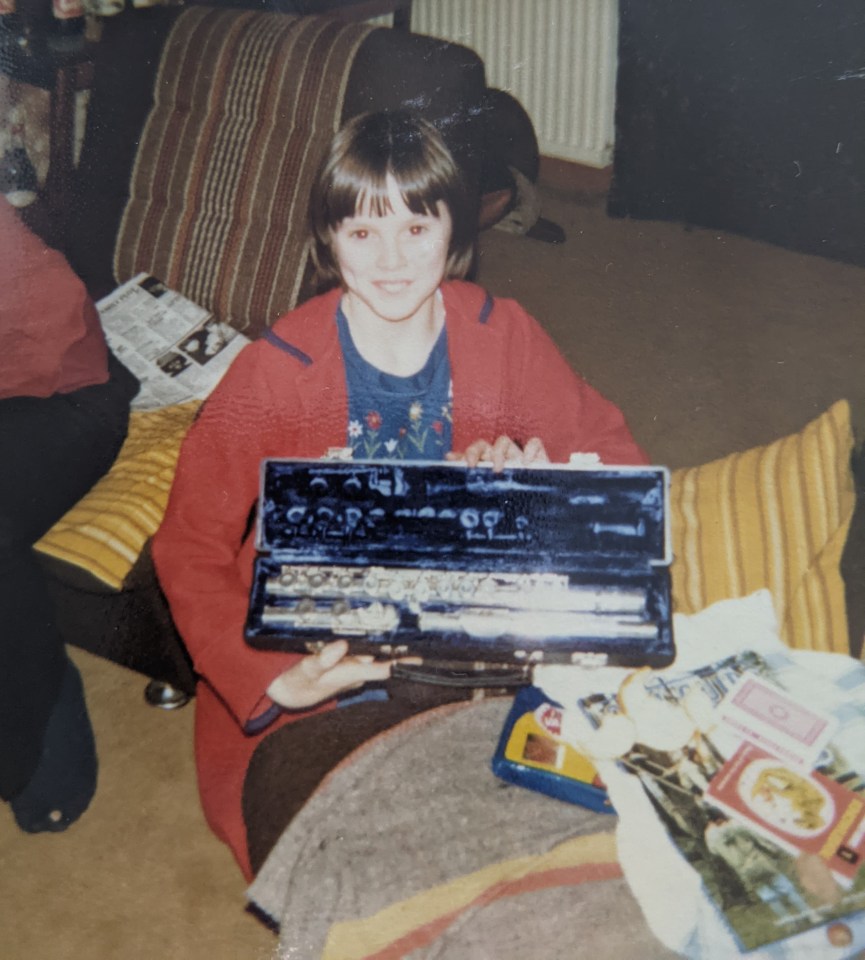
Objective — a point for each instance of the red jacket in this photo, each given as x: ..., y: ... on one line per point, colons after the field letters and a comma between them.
x: 508, y: 378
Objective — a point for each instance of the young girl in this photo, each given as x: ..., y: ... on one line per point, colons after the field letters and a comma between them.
x: 401, y: 358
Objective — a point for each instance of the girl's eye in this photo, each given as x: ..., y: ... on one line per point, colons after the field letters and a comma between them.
x: 359, y: 234
x: 417, y: 229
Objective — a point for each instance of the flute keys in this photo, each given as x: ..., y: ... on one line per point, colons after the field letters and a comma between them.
x: 371, y: 582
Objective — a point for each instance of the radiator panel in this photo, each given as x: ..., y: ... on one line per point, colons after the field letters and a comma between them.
x: 557, y: 57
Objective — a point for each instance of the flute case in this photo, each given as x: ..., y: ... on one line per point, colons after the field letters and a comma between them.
x: 454, y: 564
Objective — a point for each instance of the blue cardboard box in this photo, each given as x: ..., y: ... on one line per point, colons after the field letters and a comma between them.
x: 530, y: 754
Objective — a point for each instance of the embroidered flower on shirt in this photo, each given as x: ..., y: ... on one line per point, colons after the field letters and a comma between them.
x: 403, y: 432
x: 371, y: 442
x: 418, y: 434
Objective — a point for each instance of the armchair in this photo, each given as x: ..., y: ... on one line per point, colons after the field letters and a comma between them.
x: 144, y: 191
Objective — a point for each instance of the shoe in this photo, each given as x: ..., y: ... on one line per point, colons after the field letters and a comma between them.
x: 18, y: 177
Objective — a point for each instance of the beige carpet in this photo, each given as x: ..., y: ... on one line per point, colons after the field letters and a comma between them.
x: 709, y: 342
x: 139, y: 877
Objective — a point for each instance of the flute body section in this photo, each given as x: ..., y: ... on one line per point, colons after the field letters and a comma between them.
x: 418, y: 588
x: 369, y: 601
x: 337, y: 616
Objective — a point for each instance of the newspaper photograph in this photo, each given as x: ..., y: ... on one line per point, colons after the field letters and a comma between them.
x: 175, y: 347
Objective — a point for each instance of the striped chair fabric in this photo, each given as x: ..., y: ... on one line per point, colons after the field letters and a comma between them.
x: 245, y: 105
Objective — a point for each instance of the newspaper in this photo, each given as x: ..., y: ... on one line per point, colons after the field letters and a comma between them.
x: 175, y: 347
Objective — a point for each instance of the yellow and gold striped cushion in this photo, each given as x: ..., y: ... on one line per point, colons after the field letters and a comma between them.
x: 106, y: 530
x: 777, y: 517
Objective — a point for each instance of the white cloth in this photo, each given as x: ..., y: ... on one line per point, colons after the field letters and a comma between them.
x: 668, y: 889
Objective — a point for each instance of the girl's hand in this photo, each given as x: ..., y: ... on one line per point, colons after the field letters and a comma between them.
x: 504, y: 450
x: 323, y: 675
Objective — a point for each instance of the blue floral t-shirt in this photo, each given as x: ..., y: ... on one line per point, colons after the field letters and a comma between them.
x: 398, y: 418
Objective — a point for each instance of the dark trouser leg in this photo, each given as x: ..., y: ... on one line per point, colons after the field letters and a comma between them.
x: 51, y: 452
x: 290, y: 763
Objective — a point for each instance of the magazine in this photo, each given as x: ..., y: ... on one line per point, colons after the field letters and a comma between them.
x: 802, y: 811
x: 765, y: 888
x: 176, y: 348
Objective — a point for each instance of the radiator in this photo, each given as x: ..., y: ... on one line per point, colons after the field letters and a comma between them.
x: 557, y: 57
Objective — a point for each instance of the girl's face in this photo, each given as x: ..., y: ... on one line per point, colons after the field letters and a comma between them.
x: 392, y: 265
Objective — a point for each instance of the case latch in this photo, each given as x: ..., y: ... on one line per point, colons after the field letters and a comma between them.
x: 589, y: 659
x: 339, y: 453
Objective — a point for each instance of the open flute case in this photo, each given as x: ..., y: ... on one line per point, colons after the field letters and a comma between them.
x: 462, y: 567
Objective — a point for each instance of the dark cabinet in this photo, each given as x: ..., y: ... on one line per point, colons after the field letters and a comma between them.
x: 745, y: 116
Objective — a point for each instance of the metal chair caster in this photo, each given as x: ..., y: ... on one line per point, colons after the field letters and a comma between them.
x: 164, y: 696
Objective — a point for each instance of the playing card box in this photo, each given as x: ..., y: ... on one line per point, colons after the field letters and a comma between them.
x: 768, y: 717
x: 461, y: 564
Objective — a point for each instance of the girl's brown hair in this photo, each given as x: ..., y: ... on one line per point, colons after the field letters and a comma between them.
x: 353, y: 177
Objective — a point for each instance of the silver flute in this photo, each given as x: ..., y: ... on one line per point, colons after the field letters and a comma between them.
x: 415, y: 588
x: 535, y: 624
x: 338, y: 617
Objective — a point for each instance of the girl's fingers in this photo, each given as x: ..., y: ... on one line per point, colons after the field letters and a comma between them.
x: 535, y: 452
x: 475, y: 452
x: 355, y: 673
x: 503, y: 451
x: 317, y: 665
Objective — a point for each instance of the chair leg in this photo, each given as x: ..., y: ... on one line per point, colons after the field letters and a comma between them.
x: 163, y: 695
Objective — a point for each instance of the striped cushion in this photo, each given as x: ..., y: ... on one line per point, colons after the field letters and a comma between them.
x: 106, y: 530
x: 245, y: 104
x: 775, y: 517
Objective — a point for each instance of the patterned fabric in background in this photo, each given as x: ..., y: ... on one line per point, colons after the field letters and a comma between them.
x: 24, y: 140
x: 108, y: 8
x: 24, y: 109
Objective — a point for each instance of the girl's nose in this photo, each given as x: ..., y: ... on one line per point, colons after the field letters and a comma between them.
x: 391, y: 254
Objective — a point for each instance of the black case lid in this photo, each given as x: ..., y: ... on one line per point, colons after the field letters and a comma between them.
x: 447, y: 515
